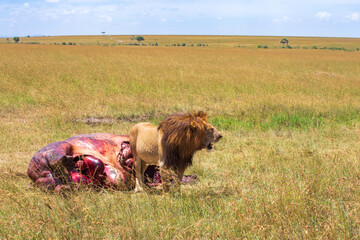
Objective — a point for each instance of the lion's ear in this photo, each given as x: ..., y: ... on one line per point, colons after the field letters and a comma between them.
x: 202, y: 115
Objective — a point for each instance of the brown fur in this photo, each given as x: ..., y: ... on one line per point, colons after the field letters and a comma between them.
x: 183, y: 134
x: 172, y: 144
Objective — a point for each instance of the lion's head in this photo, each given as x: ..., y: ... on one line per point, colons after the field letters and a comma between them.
x: 185, y: 133
x: 212, y: 136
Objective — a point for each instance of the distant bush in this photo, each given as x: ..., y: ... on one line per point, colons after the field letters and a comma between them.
x: 63, y: 43
x: 31, y: 42
x: 337, y: 48
x: 357, y: 49
x: 184, y: 44
x: 70, y: 43
x: 314, y: 47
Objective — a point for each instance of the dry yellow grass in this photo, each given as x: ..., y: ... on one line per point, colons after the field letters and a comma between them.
x: 287, y: 167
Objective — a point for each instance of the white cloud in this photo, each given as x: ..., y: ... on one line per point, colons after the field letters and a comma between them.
x: 284, y: 19
x: 52, y: 1
x: 353, y: 17
x: 26, y: 5
x: 323, y: 15
x: 163, y: 19
x: 104, y: 18
x: 68, y: 12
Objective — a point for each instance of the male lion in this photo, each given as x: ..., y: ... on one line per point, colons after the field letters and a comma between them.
x: 171, y: 145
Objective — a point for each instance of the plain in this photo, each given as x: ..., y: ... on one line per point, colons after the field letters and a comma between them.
x: 288, y: 165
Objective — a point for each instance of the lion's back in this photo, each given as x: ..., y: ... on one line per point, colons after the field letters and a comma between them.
x: 144, y: 141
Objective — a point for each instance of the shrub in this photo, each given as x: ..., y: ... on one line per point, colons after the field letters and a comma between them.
x: 16, y: 39
x: 63, y: 43
x: 184, y: 44
x: 314, y: 47
x: 32, y: 43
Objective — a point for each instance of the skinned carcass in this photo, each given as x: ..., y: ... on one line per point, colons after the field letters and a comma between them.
x: 99, y: 159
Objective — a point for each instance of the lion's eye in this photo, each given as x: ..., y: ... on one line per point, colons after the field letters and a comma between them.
x: 211, y: 129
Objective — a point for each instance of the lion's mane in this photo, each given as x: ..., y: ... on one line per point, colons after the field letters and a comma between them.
x: 183, y: 135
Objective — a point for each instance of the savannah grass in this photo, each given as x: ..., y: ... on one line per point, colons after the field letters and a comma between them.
x: 288, y: 165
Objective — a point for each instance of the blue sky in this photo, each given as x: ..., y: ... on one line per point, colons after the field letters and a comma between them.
x: 326, y: 18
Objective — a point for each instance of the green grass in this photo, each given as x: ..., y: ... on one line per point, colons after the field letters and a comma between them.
x: 288, y: 120
x: 286, y: 168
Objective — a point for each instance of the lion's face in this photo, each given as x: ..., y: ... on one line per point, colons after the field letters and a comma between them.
x: 212, y: 136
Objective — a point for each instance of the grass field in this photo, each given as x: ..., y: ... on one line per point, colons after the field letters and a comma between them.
x: 288, y: 165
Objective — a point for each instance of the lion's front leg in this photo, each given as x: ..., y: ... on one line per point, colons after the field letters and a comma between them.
x: 165, y: 178
x: 139, y: 175
x: 178, y: 179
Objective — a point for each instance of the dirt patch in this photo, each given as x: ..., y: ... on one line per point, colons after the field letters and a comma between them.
x: 326, y: 74
x: 10, y: 173
x: 113, y: 120
x: 14, y: 156
x: 96, y: 121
